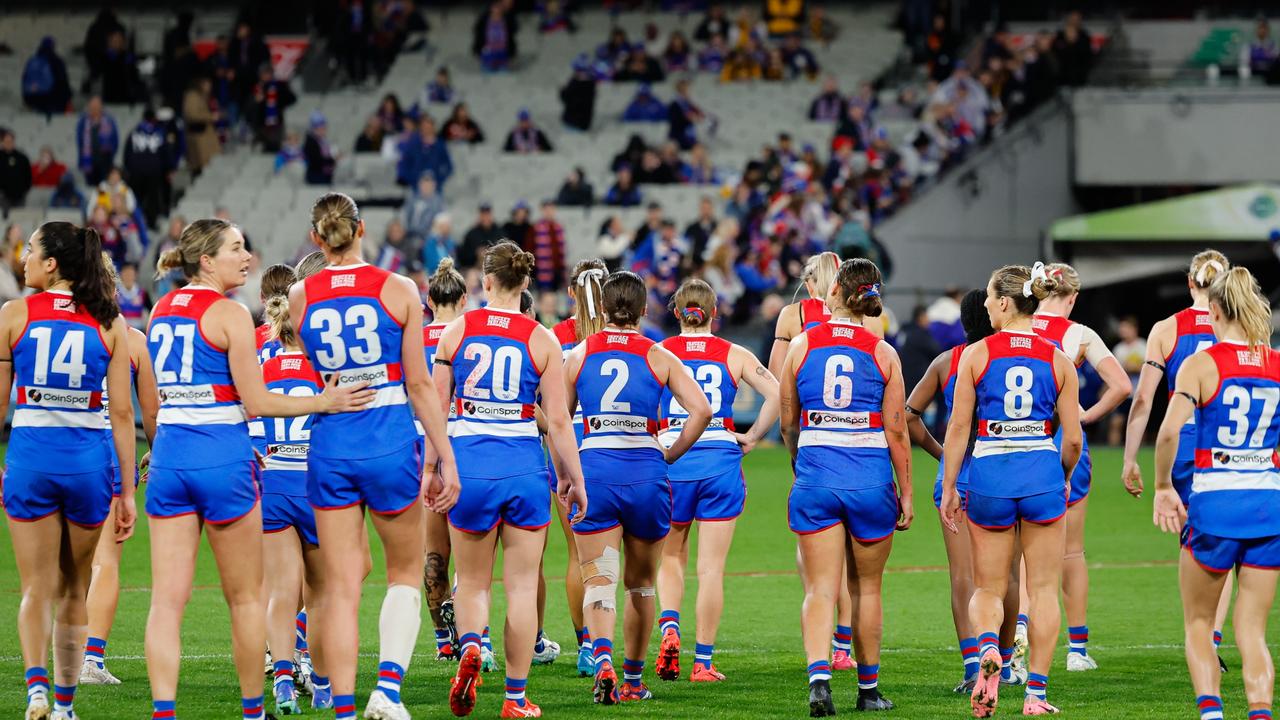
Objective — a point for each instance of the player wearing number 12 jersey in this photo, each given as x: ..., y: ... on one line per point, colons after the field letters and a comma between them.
x: 1232, y: 517
x: 1015, y: 382
x: 707, y: 484
x: 496, y: 365
x: 844, y: 421
x: 362, y: 326
x: 63, y: 343
x: 619, y: 377
x: 202, y: 468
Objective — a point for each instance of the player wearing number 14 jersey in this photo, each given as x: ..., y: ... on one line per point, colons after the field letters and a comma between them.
x: 1013, y: 382
x: 706, y: 483
x: 362, y: 326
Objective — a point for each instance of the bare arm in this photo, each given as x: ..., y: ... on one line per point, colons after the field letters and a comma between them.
x: 957, y: 440
x: 145, y: 384
x: 13, y: 317
x: 1118, y: 387
x: 1159, y: 343
x: 1168, y: 513
x: 787, y: 328
x: 1068, y: 411
x: 763, y: 382
x: 560, y: 437
x: 688, y: 393
x: 122, y: 432
x: 788, y: 395
x: 920, y: 397
x: 417, y: 382
x: 894, y: 416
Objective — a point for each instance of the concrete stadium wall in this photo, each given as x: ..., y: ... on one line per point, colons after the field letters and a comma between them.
x: 1195, y: 136
x: 988, y: 212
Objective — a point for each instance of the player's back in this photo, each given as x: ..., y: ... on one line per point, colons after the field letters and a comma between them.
x: 200, y: 408
x: 840, y: 389
x: 1235, y: 491
x: 813, y: 312
x: 288, y: 440
x: 706, y: 358
x: 496, y: 383
x: 60, y: 366
x: 619, y: 395
x: 347, y: 330
x: 1016, y: 397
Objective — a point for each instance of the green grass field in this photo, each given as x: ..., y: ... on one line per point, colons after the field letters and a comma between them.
x: 1135, y: 628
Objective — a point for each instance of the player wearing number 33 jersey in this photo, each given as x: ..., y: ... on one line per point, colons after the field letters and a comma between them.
x: 373, y: 456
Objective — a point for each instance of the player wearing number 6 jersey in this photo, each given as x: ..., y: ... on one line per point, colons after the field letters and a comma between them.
x: 707, y: 484
x: 1170, y: 343
x: 618, y: 376
x: 361, y: 325
x: 1232, y: 517
x: 493, y: 363
x: 64, y: 345
x: 1013, y: 382
x: 290, y: 553
x: 203, y: 472
x: 844, y: 422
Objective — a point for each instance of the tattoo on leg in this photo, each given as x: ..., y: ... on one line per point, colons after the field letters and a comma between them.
x: 435, y: 580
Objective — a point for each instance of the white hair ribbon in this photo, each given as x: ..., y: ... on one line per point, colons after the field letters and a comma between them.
x: 584, y: 281
x: 1203, y: 272
x: 1037, y: 273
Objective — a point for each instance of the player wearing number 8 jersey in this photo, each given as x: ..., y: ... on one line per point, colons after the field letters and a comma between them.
x: 707, y: 484
x: 64, y: 343
x: 1232, y: 517
x: 496, y: 365
x: 203, y: 473
x: 1013, y: 382
x: 361, y: 325
x: 618, y: 376
x: 844, y: 422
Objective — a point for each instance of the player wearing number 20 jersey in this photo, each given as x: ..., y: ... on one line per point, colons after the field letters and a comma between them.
x: 199, y: 409
x: 496, y: 390
x: 373, y: 456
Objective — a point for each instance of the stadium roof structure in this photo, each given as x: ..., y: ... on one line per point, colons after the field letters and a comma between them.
x: 1152, y: 238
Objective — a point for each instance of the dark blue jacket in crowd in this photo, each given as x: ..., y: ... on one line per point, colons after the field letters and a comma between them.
x: 148, y: 151
x: 418, y: 157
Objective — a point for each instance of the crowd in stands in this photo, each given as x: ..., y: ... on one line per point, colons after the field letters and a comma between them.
x: 756, y: 225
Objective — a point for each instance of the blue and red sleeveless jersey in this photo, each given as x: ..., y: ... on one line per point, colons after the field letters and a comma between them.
x: 495, y: 434
x: 948, y: 399
x: 840, y: 388
x: 201, y: 421
x: 1016, y: 398
x: 566, y: 332
x: 347, y: 330
x: 430, y: 341
x: 268, y: 347
x: 813, y: 312
x: 706, y: 358
x: 1193, y: 332
x: 1054, y: 329
x: 106, y: 408
x: 288, y: 440
x: 1235, y: 491
x: 619, y: 394
x: 59, y: 364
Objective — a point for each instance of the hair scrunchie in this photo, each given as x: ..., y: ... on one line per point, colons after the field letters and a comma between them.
x: 1037, y: 273
x: 693, y: 315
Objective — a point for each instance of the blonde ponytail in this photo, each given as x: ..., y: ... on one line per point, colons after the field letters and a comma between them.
x: 277, y: 311
x: 1238, y: 295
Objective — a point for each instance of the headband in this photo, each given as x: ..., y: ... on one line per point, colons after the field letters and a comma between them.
x: 1203, y: 272
x: 693, y: 315
x: 588, y: 287
x: 1037, y: 273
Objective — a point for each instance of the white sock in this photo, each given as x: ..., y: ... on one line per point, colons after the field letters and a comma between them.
x: 398, y: 624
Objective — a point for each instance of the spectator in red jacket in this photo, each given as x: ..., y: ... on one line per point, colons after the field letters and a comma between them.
x: 47, y: 171
x: 546, y: 242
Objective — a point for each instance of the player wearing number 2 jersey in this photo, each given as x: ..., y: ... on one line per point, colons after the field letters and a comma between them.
x: 1014, y: 382
x: 619, y: 376
x: 496, y: 365
x: 63, y: 343
x: 203, y: 473
x: 844, y: 421
x: 707, y: 484
x: 1232, y: 517
x: 360, y: 325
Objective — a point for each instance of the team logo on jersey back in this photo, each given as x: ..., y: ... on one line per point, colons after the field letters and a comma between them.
x: 842, y: 332
x: 182, y: 299
x: 620, y: 423
x: 64, y: 304
x: 291, y: 364
x: 188, y: 395
x: 289, y: 451
x: 493, y: 410
x: 616, y: 339
x: 696, y: 346
x: 374, y: 375
x: 501, y: 321
x: 1016, y: 428
x: 345, y: 280
x: 1019, y: 343
x: 1227, y: 459
x: 1251, y: 358
x: 837, y: 420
